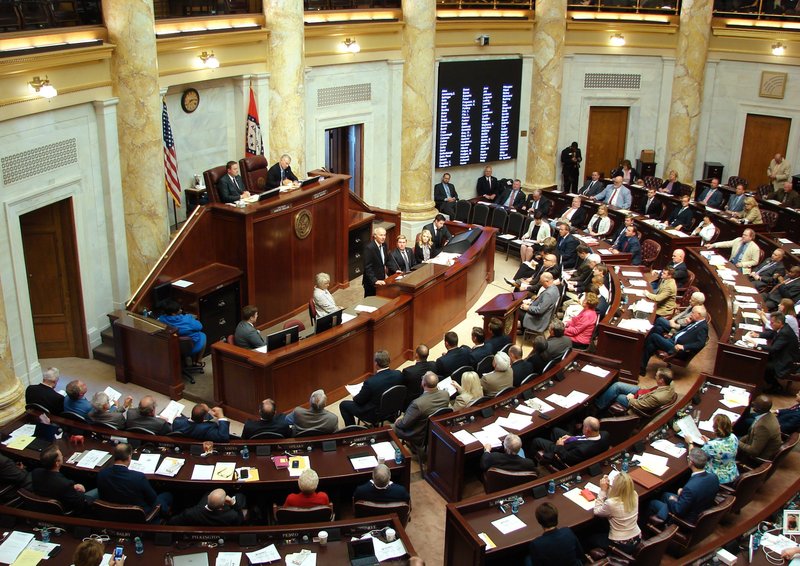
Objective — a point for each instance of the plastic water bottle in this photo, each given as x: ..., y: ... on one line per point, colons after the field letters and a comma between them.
x: 245, y: 453
x: 551, y: 487
x: 515, y: 505
x: 45, y: 534
x: 138, y: 545
x: 625, y: 464
x: 398, y: 456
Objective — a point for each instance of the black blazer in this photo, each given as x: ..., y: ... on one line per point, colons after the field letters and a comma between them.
x: 618, y: 172
x: 397, y: 258
x: 681, y: 274
x: 274, y: 175
x: 654, y: 210
x: 789, y: 290
x: 767, y: 276
x: 477, y: 353
x: 412, y: 378
x: 496, y: 343
x: 521, y: 370
x: 418, y: 255
x: 692, y: 340
x: 578, y: 219
x: 573, y: 453
x: 118, y: 484
x: 228, y: 516
x: 508, y: 462
x: 374, y: 266
x: 681, y: 217
x: 783, y: 350
x: 439, y: 194
x: 567, y: 247
x: 438, y: 238
x: 451, y: 360
x: 227, y: 190
x: 484, y: 187
x: 278, y: 424
x: 590, y: 190
x: 45, y: 396
x: 369, y: 398
x: 10, y: 474
x: 678, y: 188
x: 544, y: 206
x: 56, y: 486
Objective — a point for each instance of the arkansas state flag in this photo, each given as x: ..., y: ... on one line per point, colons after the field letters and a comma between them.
x: 253, y: 145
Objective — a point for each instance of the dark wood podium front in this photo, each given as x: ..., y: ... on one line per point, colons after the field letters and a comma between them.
x: 504, y: 306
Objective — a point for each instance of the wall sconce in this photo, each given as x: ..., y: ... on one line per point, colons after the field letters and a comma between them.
x: 617, y: 40
x: 209, y: 60
x: 351, y: 46
x: 42, y: 87
x: 778, y: 49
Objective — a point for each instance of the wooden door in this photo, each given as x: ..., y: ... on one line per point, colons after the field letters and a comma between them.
x: 51, y: 264
x: 344, y: 153
x: 764, y: 136
x: 608, y: 129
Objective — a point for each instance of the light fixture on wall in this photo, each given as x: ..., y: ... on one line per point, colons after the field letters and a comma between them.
x: 42, y: 87
x: 617, y: 40
x: 351, y: 45
x: 209, y: 60
x: 778, y: 48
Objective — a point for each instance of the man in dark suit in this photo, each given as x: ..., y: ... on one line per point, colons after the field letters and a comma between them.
x: 45, y: 393
x: 381, y: 489
x: 479, y: 347
x: 497, y: 339
x: 783, y: 350
x: 403, y: 257
x: 487, y: 186
x: 513, y: 197
x: 246, y: 334
x: 766, y: 274
x: 570, y: 167
x: 118, y: 484
x: 202, y: 425
x: 618, y: 231
x: 376, y: 262
x: 281, y: 173
x: 651, y: 206
x: 14, y: 474
x: 365, y: 404
x: 536, y: 202
x: 686, y: 342
x: 230, y: 187
x: 413, y: 425
x: 789, y: 418
x: 696, y: 496
x: 271, y: 421
x: 681, y: 217
x: 681, y: 274
x: 445, y: 196
x: 412, y: 375
x: 736, y: 201
x: 440, y: 235
x: 216, y: 509
x: 575, y: 215
x: 454, y: 358
x: 509, y: 459
x: 567, y: 246
x: 532, y: 284
x: 521, y: 368
x: 712, y: 196
x: 569, y: 449
x: 788, y: 287
x: 593, y: 186
x: 48, y: 481
x: 787, y: 195
x: 145, y: 417
x: 763, y: 439
x: 629, y: 243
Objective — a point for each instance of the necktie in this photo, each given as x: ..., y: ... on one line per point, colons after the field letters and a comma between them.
x: 283, y: 174
x: 625, y: 245
x: 404, y: 253
x: 739, y: 253
x: 708, y: 195
x: 235, y: 184
x: 682, y: 332
x: 613, y: 198
x: 649, y: 202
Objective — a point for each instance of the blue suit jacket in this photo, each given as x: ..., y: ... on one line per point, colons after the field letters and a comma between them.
x: 624, y: 199
x: 209, y: 430
x: 81, y: 406
x: 681, y: 217
x: 716, y: 198
x: 789, y: 419
x: 370, y: 395
x: 568, y: 249
x: 694, y: 339
x: 630, y: 245
x: 736, y: 203
x: 118, y: 484
x: 696, y: 496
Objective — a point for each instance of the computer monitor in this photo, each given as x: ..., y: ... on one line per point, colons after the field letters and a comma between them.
x: 269, y: 194
x: 282, y: 338
x: 310, y: 181
x: 329, y: 321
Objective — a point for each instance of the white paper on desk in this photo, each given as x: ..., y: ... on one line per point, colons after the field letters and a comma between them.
x: 707, y: 426
x: 383, y: 450
x: 678, y: 233
x: 305, y: 463
x: 91, y: 458
x: 687, y: 426
x: 540, y: 405
x: 113, y: 394
x: 631, y: 274
x: 229, y: 559
x: 784, y: 241
x: 364, y: 462
x: 514, y: 421
x: 261, y: 349
x: 750, y: 315
x: 796, y: 251
x: 172, y: 410
x: 525, y: 409
x: 636, y: 324
x: 44, y: 547
x: 635, y: 292
x: 13, y: 546
x: 595, y: 370
x: 465, y: 437
x: 744, y: 299
x: 387, y: 550
x: 667, y: 447
x: 182, y: 283
x: 753, y: 327
x: 302, y: 559
x: 717, y: 260
x: 575, y: 496
x: 364, y: 308
x: 730, y: 414
x: 24, y: 430
x: 653, y: 463
x: 485, y: 438
x: 638, y: 282
x: 604, y: 252
x: 575, y: 397
x: 202, y: 472
x: 266, y: 554
x: 147, y: 463
x: 447, y: 385
x: 495, y: 430
x: 347, y: 317
x: 508, y: 524
x: 745, y: 289
x: 354, y: 389
x: 170, y: 466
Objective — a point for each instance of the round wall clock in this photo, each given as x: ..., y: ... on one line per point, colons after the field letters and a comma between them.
x: 190, y: 100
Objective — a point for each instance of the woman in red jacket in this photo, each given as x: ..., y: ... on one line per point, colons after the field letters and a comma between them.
x: 580, y: 327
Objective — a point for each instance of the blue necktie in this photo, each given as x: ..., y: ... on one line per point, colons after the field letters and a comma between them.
x: 739, y: 253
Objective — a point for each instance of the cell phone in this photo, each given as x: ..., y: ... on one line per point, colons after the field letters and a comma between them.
x: 296, y: 464
x: 244, y: 473
x: 118, y: 553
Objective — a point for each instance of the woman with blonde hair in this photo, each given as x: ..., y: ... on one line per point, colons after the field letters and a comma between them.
x: 600, y: 223
x: 620, y: 503
x: 423, y: 248
x: 469, y: 390
x: 751, y: 213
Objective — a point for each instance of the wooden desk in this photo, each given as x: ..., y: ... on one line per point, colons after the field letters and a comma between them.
x: 503, y: 306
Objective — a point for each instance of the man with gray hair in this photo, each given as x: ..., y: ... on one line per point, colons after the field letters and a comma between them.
x: 509, y: 459
x: 366, y: 402
x: 102, y: 411
x: 413, y: 425
x: 500, y: 377
x: 315, y: 417
x: 696, y: 496
x: 281, y: 173
x: 381, y: 488
x: 572, y: 449
x: 539, y: 312
x: 686, y: 342
x: 671, y: 326
x: 44, y: 394
x: 144, y: 416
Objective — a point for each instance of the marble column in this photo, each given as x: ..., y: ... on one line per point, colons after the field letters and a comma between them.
x: 12, y: 398
x: 287, y: 116
x: 545, y: 109
x: 694, y: 33
x: 134, y: 78
x: 416, y: 150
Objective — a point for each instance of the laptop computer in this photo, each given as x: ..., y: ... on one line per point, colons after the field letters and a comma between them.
x: 196, y: 559
x: 362, y: 552
x: 269, y: 194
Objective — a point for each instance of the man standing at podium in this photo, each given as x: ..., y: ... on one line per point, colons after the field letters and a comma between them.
x: 281, y: 173
x: 230, y: 186
x: 376, y: 262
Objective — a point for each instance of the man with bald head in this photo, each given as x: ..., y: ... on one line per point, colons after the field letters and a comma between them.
x: 572, y: 449
x: 144, y: 416
x: 413, y: 425
x: 217, y: 509
x: 381, y: 488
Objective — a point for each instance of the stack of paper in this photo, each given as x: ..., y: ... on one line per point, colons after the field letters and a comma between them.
x: 354, y: 389
x: 745, y: 289
x: 514, y: 421
x: 364, y: 462
x: 446, y: 384
x: 653, y: 463
x: 784, y: 240
x: 631, y: 274
x: 638, y: 282
x: 365, y: 308
x: 717, y: 260
x: 92, y: 458
x: 485, y: 438
x: 575, y: 496
x: 202, y: 472
x: 634, y: 292
x: 384, y: 450
x: 263, y: 555
x: 595, y: 370
x: 644, y: 306
x: 387, y: 550
x: 570, y: 400
x: 636, y: 324
x: 735, y: 397
x: 13, y: 546
x: 147, y: 463
x: 667, y: 447
x: 744, y: 299
x: 172, y: 410
x: 303, y: 463
x: 224, y: 471
x: 170, y: 466
x: 539, y: 405
x: 465, y: 437
x: 508, y: 524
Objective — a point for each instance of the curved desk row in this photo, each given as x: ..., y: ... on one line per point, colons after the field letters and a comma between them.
x: 466, y: 520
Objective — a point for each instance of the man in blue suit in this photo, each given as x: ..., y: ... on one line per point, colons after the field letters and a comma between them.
x: 118, y: 484
x: 202, y: 425
x: 712, y: 196
x: 736, y: 202
x: 617, y: 195
x: 365, y: 404
x: 513, y: 197
x: 681, y: 217
x: 629, y: 243
x: 686, y: 342
x: 789, y: 418
x: 696, y: 496
x: 567, y: 246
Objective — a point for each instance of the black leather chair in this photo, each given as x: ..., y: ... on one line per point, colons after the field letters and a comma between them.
x: 210, y: 177
x: 649, y: 552
x: 691, y: 533
x: 745, y: 487
x: 39, y: 504
x: 36, y: 407
x: 485, y: 365
x: 463, y: 208
x: 390, y: 406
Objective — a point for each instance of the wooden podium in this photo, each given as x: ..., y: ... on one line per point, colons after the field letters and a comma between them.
x: 504, y: 306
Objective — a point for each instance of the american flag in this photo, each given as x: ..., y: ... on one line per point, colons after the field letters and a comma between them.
x: 170, y: 159
x: 253, y: 144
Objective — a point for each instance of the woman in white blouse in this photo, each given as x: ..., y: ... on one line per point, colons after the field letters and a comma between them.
x: 705, y: 230
x: 620, y: 503
x: 538, y: 231
x: 323, y: 300
x: 600, y: 223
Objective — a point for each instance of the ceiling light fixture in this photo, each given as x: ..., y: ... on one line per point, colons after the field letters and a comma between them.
x: 351, y: 46
x: 617, y: 40
x: 42, y: 87
x: 778, y: 49
x: 209, y: 60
